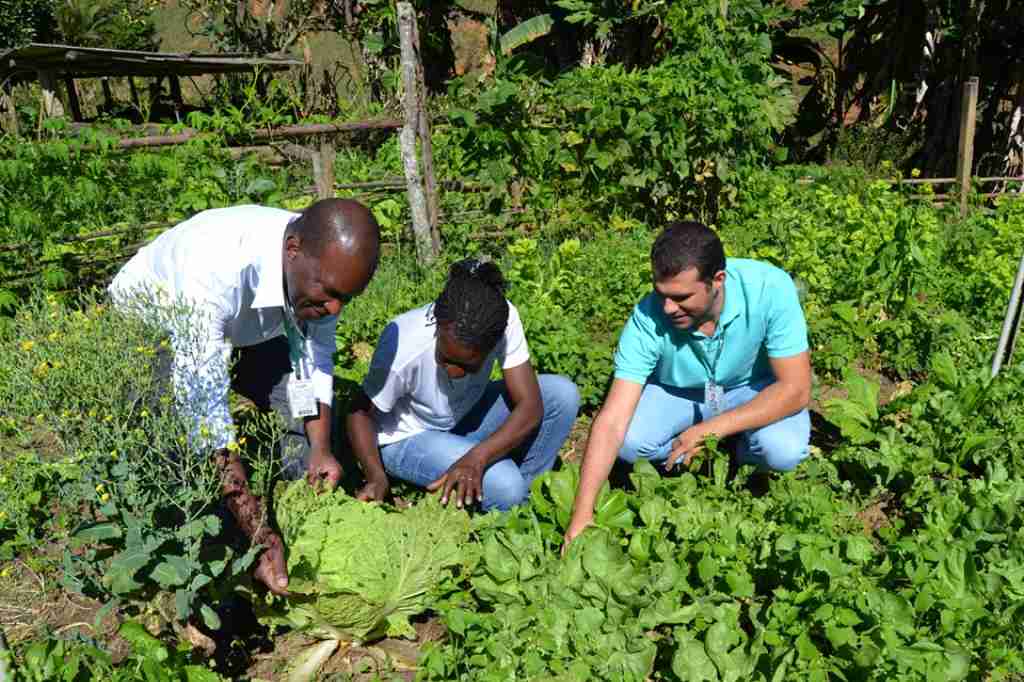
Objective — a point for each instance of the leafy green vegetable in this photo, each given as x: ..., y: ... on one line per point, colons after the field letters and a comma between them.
x: 358, y: 571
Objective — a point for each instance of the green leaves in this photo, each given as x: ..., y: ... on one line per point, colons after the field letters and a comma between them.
x: 526, y: 32
x: 857, y: 414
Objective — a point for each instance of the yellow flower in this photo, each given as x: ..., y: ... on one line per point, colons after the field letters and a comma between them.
x: 145, y: 413
x: 52, y: 336
x: 108, y: 418
x: 915, y: 172
x: 99, y: 488
x: 3, y: 515
x: 241, y: 441
x: 27, y: 345
x: 105, y: 497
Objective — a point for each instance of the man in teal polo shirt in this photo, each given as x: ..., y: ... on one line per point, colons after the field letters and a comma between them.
x: 719, y: 347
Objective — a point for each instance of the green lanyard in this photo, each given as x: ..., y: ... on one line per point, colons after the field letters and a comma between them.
x: 712, y: 367
x: 296, y: 344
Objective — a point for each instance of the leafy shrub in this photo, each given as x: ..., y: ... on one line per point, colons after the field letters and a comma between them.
x: 143, y: 492
x: 641, y: 143
x: 82, y: 660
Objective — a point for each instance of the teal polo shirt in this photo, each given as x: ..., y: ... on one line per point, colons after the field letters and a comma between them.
x: 761, y: 319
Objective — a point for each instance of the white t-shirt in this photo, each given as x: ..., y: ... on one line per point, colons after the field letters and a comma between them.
x: 412, y: 393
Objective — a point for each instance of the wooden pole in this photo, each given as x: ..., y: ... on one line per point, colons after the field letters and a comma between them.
x: 10, y: 112
x: 426, y: 146
x: 323, y: 170
x: 426, y: 251
x: 73, y: 103
x: 965, y: 152
x: 282, y: 133
x: 52, y: 106
x: 179, y: 101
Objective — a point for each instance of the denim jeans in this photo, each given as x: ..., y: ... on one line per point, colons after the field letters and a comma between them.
x: 664, y: 412
x: 425, y: 457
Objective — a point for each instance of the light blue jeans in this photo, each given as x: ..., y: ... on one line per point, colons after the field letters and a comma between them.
x: 425, y: 457
x: 664, y: 412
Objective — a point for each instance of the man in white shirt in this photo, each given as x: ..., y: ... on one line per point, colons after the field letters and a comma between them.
x: 268, y: 284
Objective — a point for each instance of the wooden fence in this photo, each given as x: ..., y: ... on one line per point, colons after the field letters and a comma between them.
x: 964, y: 180
x: 414, y: 132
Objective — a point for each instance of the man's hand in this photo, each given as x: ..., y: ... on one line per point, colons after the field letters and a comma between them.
x: 576, y: 526
x: 687, y: 445
x: 323, y: 469
x: 375, y: 490
x: 271, y: 569
x: 466, y: 478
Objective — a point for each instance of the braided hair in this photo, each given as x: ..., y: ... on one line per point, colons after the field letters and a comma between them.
x: 474, y: 300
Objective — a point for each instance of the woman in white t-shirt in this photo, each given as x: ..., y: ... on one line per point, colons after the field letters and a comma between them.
x: 428, y: 412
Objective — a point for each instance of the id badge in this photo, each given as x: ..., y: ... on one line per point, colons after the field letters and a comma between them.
x: 714, y: 398
x: 301, y: 399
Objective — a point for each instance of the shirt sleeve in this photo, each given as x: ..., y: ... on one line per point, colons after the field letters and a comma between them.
x: 200, y: 374
x: 516, y: 350
x: 384, y: 385
x: 786, y: 333
x: 639, y: 346
x: 323, y: 343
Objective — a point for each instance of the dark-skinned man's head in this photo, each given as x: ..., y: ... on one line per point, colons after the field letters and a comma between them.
x: 330, y: 253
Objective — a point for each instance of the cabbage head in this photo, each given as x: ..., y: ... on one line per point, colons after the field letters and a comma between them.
x: 358, y: 571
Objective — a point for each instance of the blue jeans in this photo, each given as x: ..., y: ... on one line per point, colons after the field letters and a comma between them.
x: 425, y: 457
x: 664, y: 412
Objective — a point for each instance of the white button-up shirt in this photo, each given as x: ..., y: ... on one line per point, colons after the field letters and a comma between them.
x: 225, y: 267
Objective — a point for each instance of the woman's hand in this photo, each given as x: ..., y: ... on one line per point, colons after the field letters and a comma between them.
x: 465, y: 478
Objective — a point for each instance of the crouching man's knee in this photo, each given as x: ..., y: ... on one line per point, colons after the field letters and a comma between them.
x: 504, y: 492
x: 780, y: 450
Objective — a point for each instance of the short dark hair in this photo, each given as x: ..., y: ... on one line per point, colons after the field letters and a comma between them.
x: 474, y: 300
x: 687, y: 244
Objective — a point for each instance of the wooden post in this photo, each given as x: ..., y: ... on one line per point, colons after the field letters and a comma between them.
x: 723, y: 8
x: 426, y: 146
x: 73, y: 103
x: 323, y: 170
x: 965, y: 152
x: 10, y: 112
x: 135, y: 94
x: 426, y: 249
x: 52, y: 106
x: 179, y: 101
x: 108, y: 96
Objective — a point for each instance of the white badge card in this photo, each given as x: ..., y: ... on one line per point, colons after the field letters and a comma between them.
x: 301, y: 398
x: 714, y: 398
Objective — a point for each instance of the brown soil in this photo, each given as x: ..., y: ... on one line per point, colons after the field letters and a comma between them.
x: 387, y: 659
x: 874, y: 516
x: 887, y: 390
x: 576, y: 443
x: 32, y: 603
